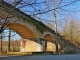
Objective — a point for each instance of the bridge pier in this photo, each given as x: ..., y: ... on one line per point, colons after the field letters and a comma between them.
x: 33, y: 45
x: 43, y: 43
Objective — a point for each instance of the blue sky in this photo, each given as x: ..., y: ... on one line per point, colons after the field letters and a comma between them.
x: 49, y: 15
x: 14, y: 35
x: 60, y: 14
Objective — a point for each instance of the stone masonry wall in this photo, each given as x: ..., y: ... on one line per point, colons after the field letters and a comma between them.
x: 69, y: 47
x: 30, y: 46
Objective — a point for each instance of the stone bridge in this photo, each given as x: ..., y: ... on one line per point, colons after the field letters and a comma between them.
x: 36, y: 36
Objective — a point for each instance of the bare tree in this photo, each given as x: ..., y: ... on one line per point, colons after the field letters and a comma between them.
x: 5, y: 21
x: 71, y: 31
x: 58, y: 6
x: 45, y: 8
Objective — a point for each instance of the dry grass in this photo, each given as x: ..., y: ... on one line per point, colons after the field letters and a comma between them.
x: 19, y: 53
x: 14, y: 46
x: 0, y: 53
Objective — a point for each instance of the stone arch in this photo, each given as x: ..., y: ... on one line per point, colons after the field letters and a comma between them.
x: 23, y: 28
x: 48, y: 36
x: 50, y: 46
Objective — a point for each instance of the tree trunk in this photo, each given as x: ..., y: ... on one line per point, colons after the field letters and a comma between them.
x: 1, y: 41
x: 9, y: 37
x: 55, y: 25
x: 56, y: 43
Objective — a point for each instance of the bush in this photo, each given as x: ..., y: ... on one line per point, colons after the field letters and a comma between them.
x: 70, y: 51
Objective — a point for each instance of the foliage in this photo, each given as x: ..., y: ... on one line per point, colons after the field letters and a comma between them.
x: 14, y: 47
x: 71, y: 32
x: 39, y: 25
x: 71, y: 51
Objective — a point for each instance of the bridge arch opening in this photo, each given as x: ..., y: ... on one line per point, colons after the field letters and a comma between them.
x: 48, y: 37
x: 26, y: 34
x: 22, y: 30
x: 21, y: 27
x: 50, y: 45
x: 25, y: 31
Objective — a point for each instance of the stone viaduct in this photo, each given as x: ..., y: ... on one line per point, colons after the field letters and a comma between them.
x: 35, y: 33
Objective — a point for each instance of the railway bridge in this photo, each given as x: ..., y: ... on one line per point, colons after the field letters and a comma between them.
x: 35, y: 35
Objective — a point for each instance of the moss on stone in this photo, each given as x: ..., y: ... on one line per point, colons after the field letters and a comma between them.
x: 39, y: 25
